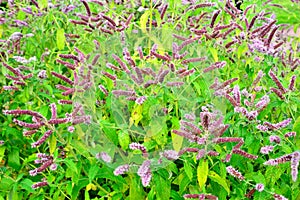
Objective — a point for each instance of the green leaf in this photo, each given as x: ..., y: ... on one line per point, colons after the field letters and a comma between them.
x: 43, y: 3
x: 2, y: 151
x: 60, y: 39
x: 176, y: 139
x: 71, y: 165
x: 82, y: 183
x: 221, y: 181
x: 110, y: 131
x: 136, y: 190
x: 296, y: 126
x: 93, y: 172
x: 21, y: 15
x: 188, y: 170
x: 214, y: 53
x: 163, y: 187
x: 136, y: 115
x: 14, y: 159
x: 157, y: 17
x: 26, y: 185
x: 124, y: 139
x: 6, y: 183
x: 183, y: 181
x: 86, y: 195
x: 144, y: 20
x: 80, y: 147
x: 202, y: 172
x: 242, y: 49
x: 52, y: 144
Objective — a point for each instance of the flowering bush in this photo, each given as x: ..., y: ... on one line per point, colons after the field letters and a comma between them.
x: 149, y: 100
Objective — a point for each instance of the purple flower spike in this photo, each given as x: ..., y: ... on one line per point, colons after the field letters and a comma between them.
x: 39, y: 184
x: 145, y: 173
x: 290, y: 134
x: 104, y: 156
x: 279, y: 197
x: 53, y: 111
x: 42, y: 139
x: 140, y: 100
x: 170, y: 154
x: 266, y: 149
x: 121, y: 170
x: 235, y: 173
x: 274, y: 138
x: 137, y: 146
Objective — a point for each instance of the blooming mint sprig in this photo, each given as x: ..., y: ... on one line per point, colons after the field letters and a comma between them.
x: 170, y: 154
x: 144, y: 172
x: 266, y: 149
x: 122, y: 169
x: 42, y: 139
x: 235, y: 173
x: 104, y: 156
x: 293, y: 157
x: 200, y: 196
x: 137, y: 146
x: 274, y: 138
x: 279, y: 197
x: 39, y: 184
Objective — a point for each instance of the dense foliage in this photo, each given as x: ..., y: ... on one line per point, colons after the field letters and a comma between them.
x: 149, y: 99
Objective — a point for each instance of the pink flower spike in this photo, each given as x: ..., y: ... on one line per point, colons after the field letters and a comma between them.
x: 235, y: 173
x: 266, y: 149
x: 121, y: 170
x: 145, y: 173
x: 53, y: 111
x: 292, y: 83
x: 137, y: 146
x: 290, y: 134
x: 39, y: 184
x: 274, y: 138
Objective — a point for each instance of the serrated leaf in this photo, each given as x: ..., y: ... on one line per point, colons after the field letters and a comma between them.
x: 214, y: 53
x: 136, y: 115
x: 60, y: 39
x: 124, y: 139
x: 136, y: 190
x: 26, y: 185
x: 93, y: 172
x: 202, y: 172
x: 221, y: 181
x: 109, y: 131
x: 144, y: 20
x: 177, y: 141
x: 14, y: 159
x: 296, y: 126
x: 52, y: 144
x: 188, y: 170
x: 80, y: 147
x: 71, y: 165
x: 163, y: 187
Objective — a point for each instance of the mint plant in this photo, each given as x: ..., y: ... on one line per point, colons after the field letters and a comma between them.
x: 149, y: 100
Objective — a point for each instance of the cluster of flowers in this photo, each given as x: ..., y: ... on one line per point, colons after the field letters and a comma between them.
x: 144, y: 170
x: 18, y: 78
x: 82, y: 81
x: 101, y: 21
